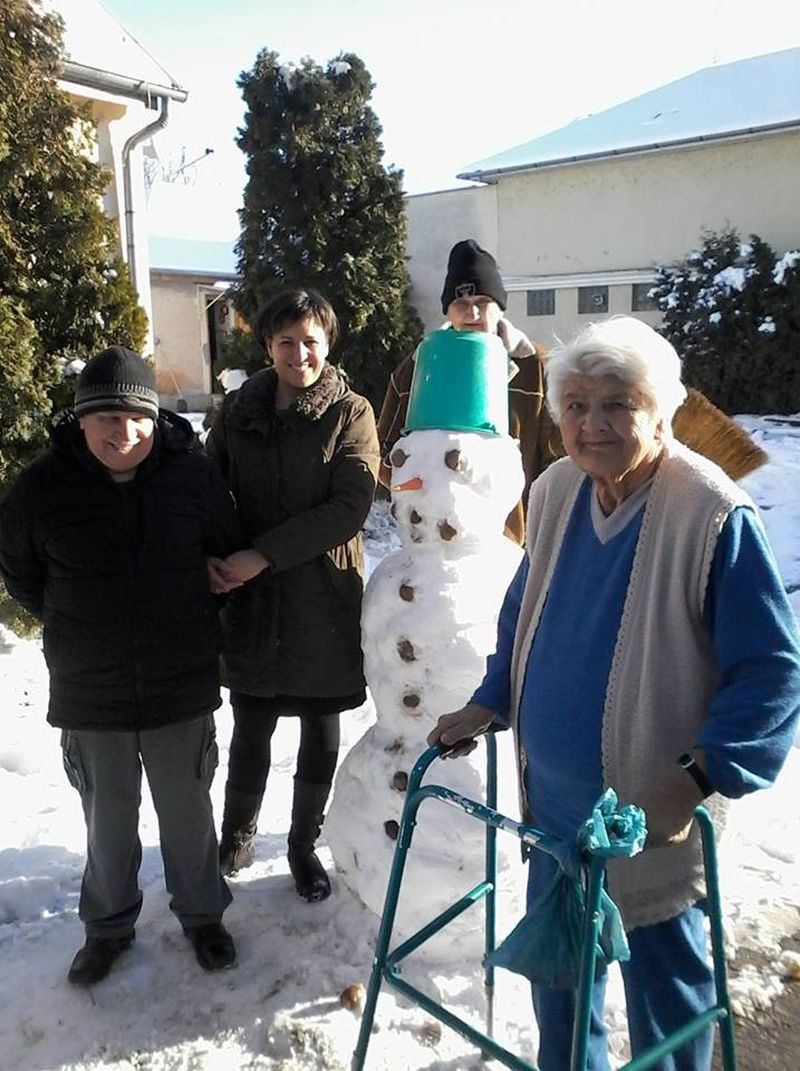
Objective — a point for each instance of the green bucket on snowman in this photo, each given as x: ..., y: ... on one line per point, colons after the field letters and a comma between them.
x: 460, y: 383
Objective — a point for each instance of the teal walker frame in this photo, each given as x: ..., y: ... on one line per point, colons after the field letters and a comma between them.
x: 386, y: 963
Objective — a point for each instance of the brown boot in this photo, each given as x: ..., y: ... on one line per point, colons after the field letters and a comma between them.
x: 237, y: 848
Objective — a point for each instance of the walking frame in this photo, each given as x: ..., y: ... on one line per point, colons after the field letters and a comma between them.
x: 386, y: 965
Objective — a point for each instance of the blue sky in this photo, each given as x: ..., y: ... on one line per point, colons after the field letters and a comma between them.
x: 455, y: 81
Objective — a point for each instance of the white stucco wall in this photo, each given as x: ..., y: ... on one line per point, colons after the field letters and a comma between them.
x: 636, y: 211
x: 116, y: 119
x: 436, y: 221
x: 623, y: 214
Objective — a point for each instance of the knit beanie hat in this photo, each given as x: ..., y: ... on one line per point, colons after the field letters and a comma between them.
x: 472, y: 271
x: 117, y: 379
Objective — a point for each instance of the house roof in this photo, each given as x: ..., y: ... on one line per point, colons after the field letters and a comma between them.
x: 94, y: 42
x: 190, y: 256
x: 749, y: 96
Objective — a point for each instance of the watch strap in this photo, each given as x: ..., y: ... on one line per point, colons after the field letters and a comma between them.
x: 697, y: 773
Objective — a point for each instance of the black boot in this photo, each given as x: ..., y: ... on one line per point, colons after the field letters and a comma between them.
x: 98, y: 955
x: 213, y: 946
x: 309, y: 875
x: 239, y: 824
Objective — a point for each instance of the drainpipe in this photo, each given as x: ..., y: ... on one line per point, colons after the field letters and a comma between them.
x: 130, y: 145
x: 121, y: 85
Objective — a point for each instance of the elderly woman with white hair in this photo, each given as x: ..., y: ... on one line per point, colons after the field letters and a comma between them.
x: 646, y: 644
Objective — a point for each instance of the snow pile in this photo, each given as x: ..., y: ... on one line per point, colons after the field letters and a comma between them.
x: 280, y: 1009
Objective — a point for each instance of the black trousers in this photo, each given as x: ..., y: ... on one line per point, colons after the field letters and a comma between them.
x: 254, y: 722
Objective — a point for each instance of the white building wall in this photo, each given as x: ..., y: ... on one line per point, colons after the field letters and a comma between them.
x: 436, y: 221
x: 606, y: 221
x: 116, y: 119
x: 637, y: 211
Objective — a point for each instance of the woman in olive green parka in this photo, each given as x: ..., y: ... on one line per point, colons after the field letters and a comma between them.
x: 299, y: 451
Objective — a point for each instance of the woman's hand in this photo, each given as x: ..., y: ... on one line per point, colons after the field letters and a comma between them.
x: 457, y: 730
x: 243, y: 565
x: 668, y: 804
x: 220, y: 577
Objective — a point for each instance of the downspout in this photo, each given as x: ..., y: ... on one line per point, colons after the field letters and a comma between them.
x: 127, y: 182
x: 136, y: 89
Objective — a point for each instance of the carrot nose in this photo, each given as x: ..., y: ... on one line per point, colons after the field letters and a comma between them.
x: 414, y: 484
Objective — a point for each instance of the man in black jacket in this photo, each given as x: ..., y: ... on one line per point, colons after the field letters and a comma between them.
x: 105, y: 539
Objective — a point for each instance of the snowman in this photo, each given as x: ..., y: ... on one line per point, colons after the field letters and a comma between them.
x: 428, y: 625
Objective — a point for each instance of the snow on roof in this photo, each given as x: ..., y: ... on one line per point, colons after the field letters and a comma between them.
x: 93, y: 38
x: 192, y: 256
x: 756, y: 94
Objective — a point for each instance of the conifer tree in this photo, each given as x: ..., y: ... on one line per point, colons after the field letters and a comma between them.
x: 322, y: 210
x: 66, y: 293
x: 732, y: 311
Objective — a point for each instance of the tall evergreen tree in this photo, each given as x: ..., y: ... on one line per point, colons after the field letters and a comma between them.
x: 322, y: 210
x: 732, y: 311
x: 61, y: 279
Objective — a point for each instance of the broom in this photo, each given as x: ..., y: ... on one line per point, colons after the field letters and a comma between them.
x: 705, y: 429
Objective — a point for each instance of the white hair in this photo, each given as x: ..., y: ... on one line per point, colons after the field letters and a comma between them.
x: 624, y: 347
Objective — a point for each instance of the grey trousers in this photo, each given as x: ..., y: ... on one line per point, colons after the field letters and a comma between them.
x: 106, y: 769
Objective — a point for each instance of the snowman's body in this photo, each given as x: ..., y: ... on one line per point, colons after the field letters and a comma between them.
x: 428, y: 626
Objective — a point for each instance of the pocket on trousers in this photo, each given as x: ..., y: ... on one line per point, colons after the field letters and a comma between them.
x: 73, y: 767
x: 209, y: 751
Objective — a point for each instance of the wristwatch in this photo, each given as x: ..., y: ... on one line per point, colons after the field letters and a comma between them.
x: 697, y: 773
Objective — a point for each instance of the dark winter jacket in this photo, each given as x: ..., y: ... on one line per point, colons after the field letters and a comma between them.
x: 303, y: 479
x: 116, y: 572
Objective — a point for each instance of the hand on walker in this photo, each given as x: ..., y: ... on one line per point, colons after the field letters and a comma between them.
x: 456, y: 731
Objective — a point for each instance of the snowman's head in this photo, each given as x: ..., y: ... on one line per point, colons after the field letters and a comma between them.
x: 454, y: 488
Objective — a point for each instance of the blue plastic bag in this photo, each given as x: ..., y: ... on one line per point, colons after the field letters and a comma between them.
x: 546, y: 945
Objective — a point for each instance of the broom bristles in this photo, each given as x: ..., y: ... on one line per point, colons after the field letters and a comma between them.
x: 704, y: 428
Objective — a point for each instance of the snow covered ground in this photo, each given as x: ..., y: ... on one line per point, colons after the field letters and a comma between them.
x: 280, y: 1008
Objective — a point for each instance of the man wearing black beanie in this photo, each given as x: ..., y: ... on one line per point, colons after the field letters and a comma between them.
x: 104, y: 538
x: 474, y: 299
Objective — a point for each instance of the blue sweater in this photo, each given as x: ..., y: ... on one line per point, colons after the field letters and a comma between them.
x: 752, y: 717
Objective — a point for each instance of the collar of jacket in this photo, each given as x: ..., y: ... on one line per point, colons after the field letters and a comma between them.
x: 254, y: 403
x: 173, y: 434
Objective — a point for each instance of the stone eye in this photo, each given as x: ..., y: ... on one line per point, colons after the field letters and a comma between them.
x: 453, y: 459
x: 399, y: 458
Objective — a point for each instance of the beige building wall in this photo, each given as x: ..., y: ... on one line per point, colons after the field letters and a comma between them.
x: 547, y: 330
x: 182, y: 349
x: 436, y: 221
x: 637, y: 211
x: 609, y: 222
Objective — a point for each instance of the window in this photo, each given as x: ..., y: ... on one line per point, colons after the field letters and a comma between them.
x: 640, y: 298
x: 541, y: 303
x: 592, y: 299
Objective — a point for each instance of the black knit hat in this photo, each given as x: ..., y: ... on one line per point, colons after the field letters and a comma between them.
x: 117, y: 379
x: 472, y: 271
